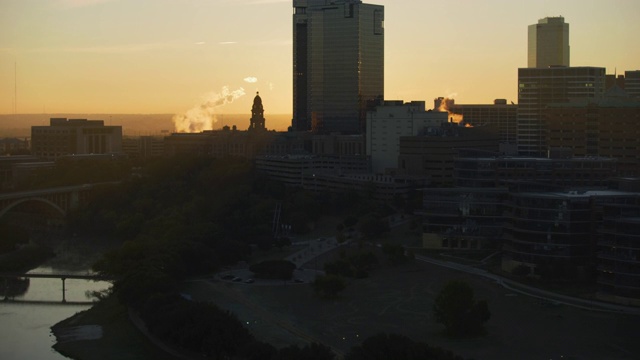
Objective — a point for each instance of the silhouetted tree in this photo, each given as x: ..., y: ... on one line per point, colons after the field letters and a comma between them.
x: 339, y: 267
x: 329, y: 286
x: 397, y: 347
x: 313, y: 351
x: 395, y: 253
x: 355, y: 266
x: 11, y: 236
x: 456, y: 308
x: 373, y: 225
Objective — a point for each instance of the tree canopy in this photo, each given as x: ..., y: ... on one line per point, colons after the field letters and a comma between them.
x: 456, y: 308
x: 397, y: 347
x: 329, y: 286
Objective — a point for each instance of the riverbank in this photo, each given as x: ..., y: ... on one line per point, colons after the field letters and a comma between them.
x: 119, y: 339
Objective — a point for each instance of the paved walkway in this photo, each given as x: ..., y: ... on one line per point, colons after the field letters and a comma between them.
x: 301, y: 275
x: 535, y: 292
x: 314, y: 249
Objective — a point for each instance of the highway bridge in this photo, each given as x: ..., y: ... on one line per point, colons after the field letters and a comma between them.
x: 59, y: 200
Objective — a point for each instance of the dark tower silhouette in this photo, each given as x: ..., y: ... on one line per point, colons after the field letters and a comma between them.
x: 257, y: 114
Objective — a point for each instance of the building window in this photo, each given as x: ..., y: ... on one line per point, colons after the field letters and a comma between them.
x: 378, y: 22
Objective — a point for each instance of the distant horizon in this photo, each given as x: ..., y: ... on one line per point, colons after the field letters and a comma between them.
x: 169, y: 60
x: 123, y: 113
x: 19, y: 125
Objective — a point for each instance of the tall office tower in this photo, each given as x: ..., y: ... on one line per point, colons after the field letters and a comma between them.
x: 338, y: 64
x: 538, y: 88
x: 548, y: 43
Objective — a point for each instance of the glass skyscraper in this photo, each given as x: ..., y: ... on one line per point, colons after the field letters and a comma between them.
x: 338, y: 64
x: 548, y: 43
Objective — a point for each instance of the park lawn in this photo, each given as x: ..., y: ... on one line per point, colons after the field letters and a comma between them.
x: 120, y: 339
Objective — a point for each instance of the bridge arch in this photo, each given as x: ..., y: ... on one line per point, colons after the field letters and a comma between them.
x: 18, y: 202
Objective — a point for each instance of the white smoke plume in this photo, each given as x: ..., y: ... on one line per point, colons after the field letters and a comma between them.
x: 251, y: 79
x: 202, y: 117
x: 444, y: 107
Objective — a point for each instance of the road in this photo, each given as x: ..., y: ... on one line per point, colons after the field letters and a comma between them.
x: 532, y: 291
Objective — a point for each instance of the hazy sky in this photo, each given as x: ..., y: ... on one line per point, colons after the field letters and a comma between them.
x: 164, y: 56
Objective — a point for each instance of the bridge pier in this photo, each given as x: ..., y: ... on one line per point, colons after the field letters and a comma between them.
x: 64, y: 290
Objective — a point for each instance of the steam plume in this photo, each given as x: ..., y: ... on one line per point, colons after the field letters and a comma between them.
x: 444, y: 107
x: 201, y: 117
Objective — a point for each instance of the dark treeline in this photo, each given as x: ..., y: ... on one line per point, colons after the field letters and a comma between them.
x: 186, y: 217
x: 16, y: 253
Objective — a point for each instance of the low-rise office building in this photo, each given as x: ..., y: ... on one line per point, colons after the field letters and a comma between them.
x: 500, y: 117
x: 303, y: 170
x: 486, y: 170
x: 432, y: 153
x: 231, y: 142
x: 618, y: 251
x: 15, y: 146
x: 143, y: 147
x: 554, y: 234
x: 607, y: 127
x: 336, y: 174
x: 16, y: 169
x: 391, y: 121
x: 462, y: 218
x: 65, y: 137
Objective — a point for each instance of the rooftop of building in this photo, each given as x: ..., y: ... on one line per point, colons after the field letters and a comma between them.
x: 551, y: 20
x: 614, y: 97
x: 13, y: 140
x: 536, y: 159
x: 579, y: 194
x: 74, y: 122
x: 561, y: 67
x: 4, y: 159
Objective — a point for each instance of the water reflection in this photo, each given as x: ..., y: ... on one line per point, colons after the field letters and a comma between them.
x: 75, y: 290
x: 25, y: 327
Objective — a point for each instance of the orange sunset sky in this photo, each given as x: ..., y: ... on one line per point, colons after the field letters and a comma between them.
x: 164, y: 56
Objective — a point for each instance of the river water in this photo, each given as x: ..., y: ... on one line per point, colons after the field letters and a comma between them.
x: 25, y: 328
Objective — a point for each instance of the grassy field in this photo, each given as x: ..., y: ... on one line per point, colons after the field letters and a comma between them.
x: 400, y: 300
